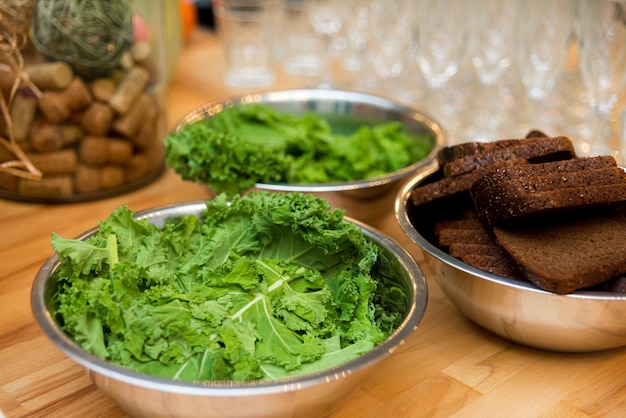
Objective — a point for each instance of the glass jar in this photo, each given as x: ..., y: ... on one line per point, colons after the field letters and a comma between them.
x: 84, y: 84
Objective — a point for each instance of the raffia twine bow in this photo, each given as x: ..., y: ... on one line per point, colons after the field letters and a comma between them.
x: 14, y: 21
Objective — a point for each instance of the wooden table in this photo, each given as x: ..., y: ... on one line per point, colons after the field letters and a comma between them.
x: 449, y: 366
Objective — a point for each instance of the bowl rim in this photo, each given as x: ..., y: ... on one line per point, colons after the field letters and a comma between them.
x: 302, y: 95
x: 402, y: 217
x: 95, y: 364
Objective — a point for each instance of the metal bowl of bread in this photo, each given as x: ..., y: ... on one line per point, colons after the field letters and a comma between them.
x: 525, y: 239
x: 353, y: 149
x: 263, y: 305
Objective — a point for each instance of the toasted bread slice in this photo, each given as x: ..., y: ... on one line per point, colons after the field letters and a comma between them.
x: 535, y: 150
x: 568, y: 253
x: 511, y: 195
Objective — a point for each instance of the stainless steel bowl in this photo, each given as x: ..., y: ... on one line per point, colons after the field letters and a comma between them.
x: 365, y: 200
x: 583, y: 321
x: 307, y: 396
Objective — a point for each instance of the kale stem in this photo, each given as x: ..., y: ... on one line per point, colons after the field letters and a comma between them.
x: 112, y: 247
x: 113, y: 258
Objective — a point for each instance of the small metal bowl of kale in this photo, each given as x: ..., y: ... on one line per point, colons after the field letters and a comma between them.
x: 261, y: 305
x: 353, y: 149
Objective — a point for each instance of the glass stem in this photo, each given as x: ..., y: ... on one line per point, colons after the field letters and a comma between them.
x: 325, y: 80
x: 598, y: 139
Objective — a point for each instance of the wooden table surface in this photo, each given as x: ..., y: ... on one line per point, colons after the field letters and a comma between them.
x: 449, y: 366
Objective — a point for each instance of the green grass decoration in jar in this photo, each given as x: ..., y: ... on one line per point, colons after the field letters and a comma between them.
x: 90, y: 35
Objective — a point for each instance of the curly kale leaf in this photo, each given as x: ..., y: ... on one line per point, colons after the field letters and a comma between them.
x: 255, y: 143
x: 258, y: 287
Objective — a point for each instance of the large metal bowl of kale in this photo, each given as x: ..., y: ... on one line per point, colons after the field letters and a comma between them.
x: 180, y: 311
x: 353, y: 149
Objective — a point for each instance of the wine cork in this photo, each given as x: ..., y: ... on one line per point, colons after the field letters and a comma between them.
x: 141, y: 52
x: 24, y: 146
x: 7, y: 79
x: 87, y: 179
x: 147, y: 130
x: 9, y: 182
x: 129, y: 89
x: 23, y: 111
x: 119, y: 151
x: 137, y: 167
x: 56, y: 162
x: 50, y: 187
x: 126, y: 61
x: 53, y: 107
x: 128, y: 124
x: 6, y: 155
x: 46, y: 137
x: 93, y: 150
x: 77, y: 117
x: 103, y: 89
x: 112, y: 176
x: 77, y: 95
x: 117, y: 76
x: 3, y: 122
x: 50, y: 137
x: 97, y: 118
x: 71, y: 134
x: 50, y: 75
x: 146, y: 135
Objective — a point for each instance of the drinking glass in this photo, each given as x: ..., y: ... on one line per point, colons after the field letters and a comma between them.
x: 355, y: 31
x: 544, y: 30
x: 622, y: 139
x: 300, y: 47
x: 441, y: 41
x: 327, y: 18
x: 602, y: 64
x: 490, y: 49
x: 247, y: 30
x: 389, y: 41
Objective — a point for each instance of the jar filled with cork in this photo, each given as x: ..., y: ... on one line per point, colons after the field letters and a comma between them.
x: 82, y: 109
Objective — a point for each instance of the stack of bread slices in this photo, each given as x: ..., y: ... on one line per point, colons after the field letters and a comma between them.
x: 529, y: 209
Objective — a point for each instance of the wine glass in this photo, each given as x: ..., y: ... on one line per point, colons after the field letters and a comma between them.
x: 327, y: 18
x: 389, y: 41
x: 441, y: 41
x: 544, y: 30
x: 490, y: 49
x: 602, y: 64
x: 354, y: 59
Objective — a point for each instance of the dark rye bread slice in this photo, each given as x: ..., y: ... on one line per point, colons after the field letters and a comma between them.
x: 502, y: 198
x: 461, y: 230
x: 448, y: 237
x: 570, y: 253
x: 454, y: 152
x: 471, y: 161
x: 534, y: 150
x: 467, y: 240
x: 462, y: 249
x: 536, y: 133
x: 453, y: 186
x: 496, y: 264
x: 469, y: 222
x: 512, y: 172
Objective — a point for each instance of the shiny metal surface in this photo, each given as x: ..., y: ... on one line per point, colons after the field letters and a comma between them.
x: 365, y: 200
x: 308, y: 396
x: 583, y: 321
